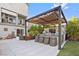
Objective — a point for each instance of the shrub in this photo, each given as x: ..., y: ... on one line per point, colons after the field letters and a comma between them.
x: 34, y: 30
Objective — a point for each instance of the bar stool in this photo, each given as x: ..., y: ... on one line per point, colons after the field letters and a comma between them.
x: 53, y: 41
x: 37, y: 38
x: 41, y: 39
x: 46, y: 40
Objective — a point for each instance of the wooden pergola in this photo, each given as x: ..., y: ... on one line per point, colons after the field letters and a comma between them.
x: 52, y: 16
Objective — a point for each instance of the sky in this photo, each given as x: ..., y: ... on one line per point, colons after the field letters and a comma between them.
x: 69, y: 9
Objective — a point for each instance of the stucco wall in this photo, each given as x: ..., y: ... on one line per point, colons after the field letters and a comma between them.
x: 10, y: 30
x: 20, y: 8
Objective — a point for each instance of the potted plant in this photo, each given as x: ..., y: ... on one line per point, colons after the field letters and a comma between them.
x: 33, y: 34
x: 33, y: 31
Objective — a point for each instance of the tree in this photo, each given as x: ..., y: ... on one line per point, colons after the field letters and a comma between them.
x: 73, y: 28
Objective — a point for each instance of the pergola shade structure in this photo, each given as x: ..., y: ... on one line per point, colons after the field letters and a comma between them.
x: 52, y: 16
x: 49, y: 17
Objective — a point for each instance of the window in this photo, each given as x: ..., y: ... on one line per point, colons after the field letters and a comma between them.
x: 5, y: 29
x: 21, y: 19
x: 6, y: 18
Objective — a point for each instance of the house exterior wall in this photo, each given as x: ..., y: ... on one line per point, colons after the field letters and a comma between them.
x: 13, y: 9
x: 10, y: 30
x: 20, y: 8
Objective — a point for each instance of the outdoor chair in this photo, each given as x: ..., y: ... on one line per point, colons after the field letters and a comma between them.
x: 53, y: 41
x: 46, y: 40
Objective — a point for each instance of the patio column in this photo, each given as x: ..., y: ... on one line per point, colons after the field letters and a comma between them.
x: 59, y: 29
x: 25, y: 27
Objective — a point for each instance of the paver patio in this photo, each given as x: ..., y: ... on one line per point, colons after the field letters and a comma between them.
x: 26, y: 48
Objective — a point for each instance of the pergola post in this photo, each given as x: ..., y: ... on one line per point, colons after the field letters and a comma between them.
x: 59, y: 29
x: 25, y: 27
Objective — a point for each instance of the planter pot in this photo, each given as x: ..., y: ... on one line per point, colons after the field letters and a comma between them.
x: 33, y: 37
x: 27, y: 37
x: 36, y: 39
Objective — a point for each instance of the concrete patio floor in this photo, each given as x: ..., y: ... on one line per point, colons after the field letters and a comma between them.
x: 26, y: 48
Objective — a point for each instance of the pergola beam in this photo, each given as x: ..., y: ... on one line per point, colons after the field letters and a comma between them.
x: 63, y: 16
